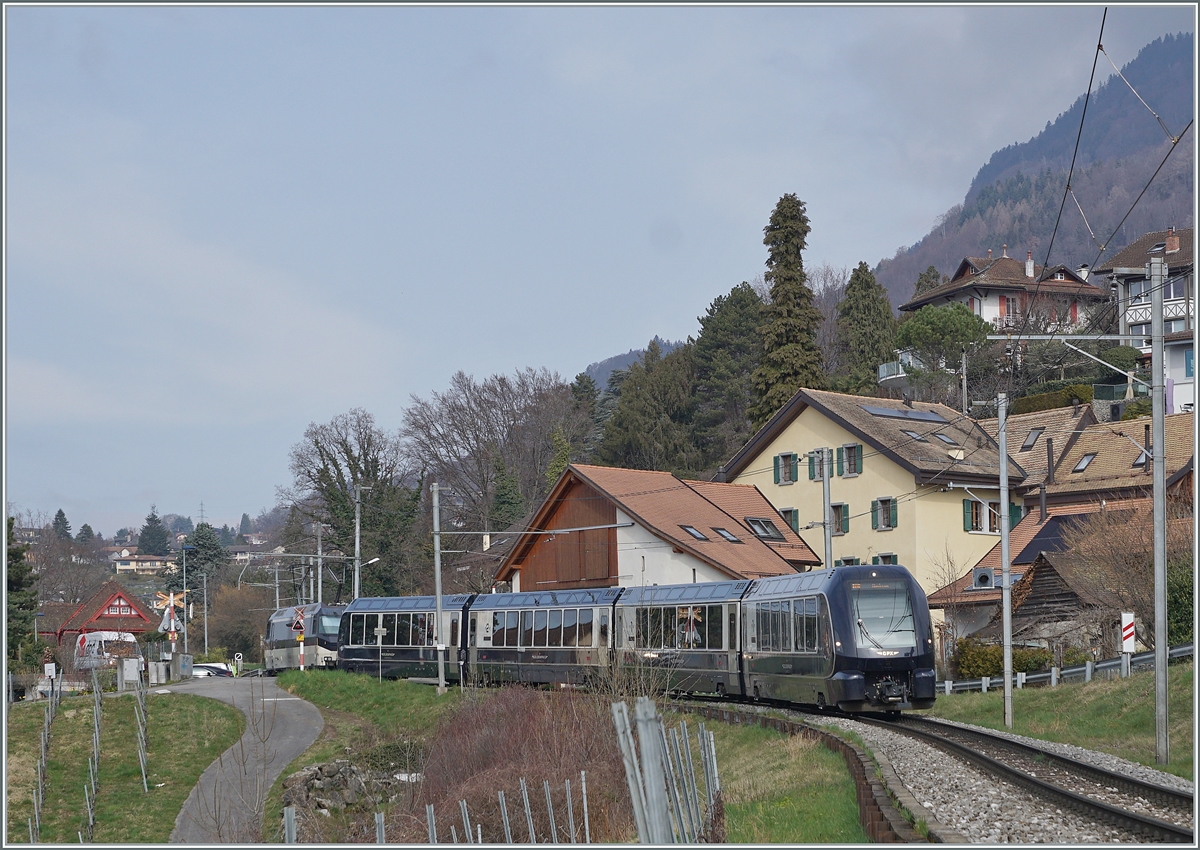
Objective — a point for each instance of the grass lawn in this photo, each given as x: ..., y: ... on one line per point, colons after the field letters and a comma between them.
x: 783, y: 789
x: 186, y: 733
x: 1114, y: 716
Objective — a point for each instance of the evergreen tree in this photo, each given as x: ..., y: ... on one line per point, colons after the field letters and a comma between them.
x: 226, y: 535
x: 791, y: 358
x: 85, y: 535
x: 561, y: 456
x: 154, y: 538
x: 21, y: 597
x: 245, y: 527
x: 62, y: 528
x: 866, y: 327
x: 727, y: 353
x: 507, y: 504
x: 927, y: 280
x: 205, y: 558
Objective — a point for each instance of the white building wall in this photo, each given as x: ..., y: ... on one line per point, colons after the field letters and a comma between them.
x: 644, y: 559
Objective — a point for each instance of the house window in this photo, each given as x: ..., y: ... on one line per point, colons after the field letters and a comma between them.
x: 945, y: 439
x: 791, y: 516
x: 841, y: 518
x: 846, y: 562
x: 1139, y: 291
x: 732, y: 538
x: 914, y: 436
x: 1059, y: 276
x: 785, y: 468
x: 884, y: 558
x: 1031, y: 438
x: 694, y: 532
x: 764, y: 528
x: 1188, y: 364
x: 119, y: 610
x: 981, y: 516
x: 883, y: 514
x: 1084, y: 462
x: 849, y: 459
x: 816, y: 465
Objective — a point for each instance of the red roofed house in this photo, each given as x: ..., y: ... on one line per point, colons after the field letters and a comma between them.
x: 602, y: 526
x: 111, y: 609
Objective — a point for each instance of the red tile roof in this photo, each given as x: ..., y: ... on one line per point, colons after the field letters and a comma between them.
x: 1008, y: 274
x: 99, y: 601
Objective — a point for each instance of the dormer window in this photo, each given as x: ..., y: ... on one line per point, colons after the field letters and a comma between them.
x: 1084, y: 462
x: 764, y: 528
x: 1059, y: 276
x: 699, y: 535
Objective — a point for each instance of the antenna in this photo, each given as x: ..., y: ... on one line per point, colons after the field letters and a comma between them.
x: 202, y: 511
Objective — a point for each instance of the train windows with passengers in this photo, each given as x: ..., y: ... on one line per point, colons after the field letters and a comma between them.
x: 883, y: 614
x: 553, y: 627
x: 679, y: 627
x: 788, y: 625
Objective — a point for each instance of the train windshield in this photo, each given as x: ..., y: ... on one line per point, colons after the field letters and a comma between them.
x: 327, y: 624
x: 883, y: 616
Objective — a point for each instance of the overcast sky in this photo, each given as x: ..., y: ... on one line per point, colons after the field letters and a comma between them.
x: 224, y: 223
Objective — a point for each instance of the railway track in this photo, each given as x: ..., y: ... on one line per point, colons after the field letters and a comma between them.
x: 1150, y: 811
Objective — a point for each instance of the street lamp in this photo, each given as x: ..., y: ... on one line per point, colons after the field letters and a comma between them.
x: 357, y: 568
x: 185, y: 549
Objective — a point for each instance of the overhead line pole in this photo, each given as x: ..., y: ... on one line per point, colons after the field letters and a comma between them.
x: 827, y: 518
x: 1156, y: 272
x: 437, y: 589
x: 1005, y: 559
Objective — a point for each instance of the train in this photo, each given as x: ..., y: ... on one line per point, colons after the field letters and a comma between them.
x: 281, y: 643
x: 858, y: 638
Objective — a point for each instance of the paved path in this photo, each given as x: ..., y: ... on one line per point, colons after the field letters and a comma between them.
x: 224, y: 806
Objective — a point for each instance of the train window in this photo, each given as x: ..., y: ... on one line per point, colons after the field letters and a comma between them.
x: 356, y: 630
x: 327, y: 624
x: 810, y: 624
x: 526, y: 628
x: 585, y: 627
x: 554, y: 628
x: 498, y: 632
x: 691, y: 627
x: 389, y: 623
x: 403, y: 630
x: 570, y: 621
x: 714, y: 639
x: 512, y: 629
x: 798, y: 625
x: 472, y: 633
x: 603, y: 628
x: 370, y: 624
x: 454, y: 628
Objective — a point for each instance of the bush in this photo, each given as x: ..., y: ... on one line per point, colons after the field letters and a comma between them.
x: 1049, y: 401
x: 974, y: 659
x: 1073, y: 656
x: 1181, y: 591
x: 1137, y: 409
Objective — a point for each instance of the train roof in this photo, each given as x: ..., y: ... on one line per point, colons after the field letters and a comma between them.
x: 819, y: 580
x: 450, y: 602
x: 289, y: 612
x: 666, y: 594
x: 546, y: 598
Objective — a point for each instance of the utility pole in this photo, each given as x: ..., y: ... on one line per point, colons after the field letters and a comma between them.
x: 205, y: 579
x: 357, y: 537
x: 1005, y: 559
x: 1157, y: 273
x: 437, y: 589
x: 320, y: 568
x: 966, y: 404
x: 826, y: 464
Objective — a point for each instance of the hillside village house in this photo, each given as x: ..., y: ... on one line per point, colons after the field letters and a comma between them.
x: 1133, y: 292
x: 911, y: 483
x: 141, y: 564
x: 111, y: 608
x: 603, y: 526
x: 1038, y: 440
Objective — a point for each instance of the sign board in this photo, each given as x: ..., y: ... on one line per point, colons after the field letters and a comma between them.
x: 298, y: 623
x: 1128, y: 632
x: 169, y: 623
x: 300, y: 636
x: 50, y: 670
x: 237, y: 658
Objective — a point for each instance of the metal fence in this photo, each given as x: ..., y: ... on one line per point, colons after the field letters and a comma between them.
x: 1122, y: 665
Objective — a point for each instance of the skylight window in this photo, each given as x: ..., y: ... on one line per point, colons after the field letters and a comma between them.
x: 699, y: 535
x: 904, y: 413
x: 1156, y: 247
x: 913, y: 435
x: 1084, y: 462
x: 731, y: 537
x: 1031, y: 438
x: 945, y: 439
x: 764, y: 528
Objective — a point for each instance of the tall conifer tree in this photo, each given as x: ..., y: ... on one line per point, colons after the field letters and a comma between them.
x: 61, y: 527
x: 790, y: 356
x: 154, y: 538
x: 866, y: 327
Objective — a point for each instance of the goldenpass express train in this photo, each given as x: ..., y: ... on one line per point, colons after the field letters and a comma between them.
x: 281, y: 644
x: 855, y: 637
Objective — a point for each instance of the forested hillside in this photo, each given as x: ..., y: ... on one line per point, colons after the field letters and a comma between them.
x: 1015, y: 197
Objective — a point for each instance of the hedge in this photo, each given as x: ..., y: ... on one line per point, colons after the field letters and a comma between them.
x: 1049, y: 401
x: 973, y: 659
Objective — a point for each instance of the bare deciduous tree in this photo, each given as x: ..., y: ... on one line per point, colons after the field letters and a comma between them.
x: 828, y: 285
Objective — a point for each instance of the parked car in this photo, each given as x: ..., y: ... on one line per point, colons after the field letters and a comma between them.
x: 200, y: 670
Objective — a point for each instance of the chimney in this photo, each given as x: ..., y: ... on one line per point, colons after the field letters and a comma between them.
x: 1049, y: 460
x: 1028, y: 264
x: 1172, y: 240
x: 1042, y: 504
x: 1149, y: 467
x: 1083, y: 271
x: 989, y: 253
x: 1004, y: 251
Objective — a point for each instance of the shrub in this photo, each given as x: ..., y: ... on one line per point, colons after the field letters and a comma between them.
x: 973, y: 659
x: 1049, y: 401
x: 1137, y: 409
x: 1181, y: 589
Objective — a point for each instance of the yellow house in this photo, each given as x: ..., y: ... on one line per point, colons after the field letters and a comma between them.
x: 915, y: 484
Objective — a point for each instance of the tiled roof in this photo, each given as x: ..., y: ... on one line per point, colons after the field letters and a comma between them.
x: 1020, y: 536
x: 100, y: 599
x: 661, y: 503
x: 881, y: 424
x: 1136, y: 254
x: 1112, y: 467
x: 1007, y: 273
x: 1062, y: 425
x: 744, y: 500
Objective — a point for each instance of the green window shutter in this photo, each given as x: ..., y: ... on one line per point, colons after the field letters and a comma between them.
x: 812, y: 466
x: 894, y: 513
x: 795, y: 468
x: 795, y: 518
x: 776, y: 469
x: 858, y: 459
x: 875, y: 513
x: 1014, y: 515
x: 840, y: 460
x: 966, y: 514
x: 874, y: 560
x: 845, y: 519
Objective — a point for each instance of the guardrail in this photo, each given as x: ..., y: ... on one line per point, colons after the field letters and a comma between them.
x: 1055, y: 675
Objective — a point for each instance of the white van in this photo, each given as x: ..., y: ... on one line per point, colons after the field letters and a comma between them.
x: 101, y: 649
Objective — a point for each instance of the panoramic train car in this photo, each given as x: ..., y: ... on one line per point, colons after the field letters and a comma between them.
x: 688, y: 631
x: 281, y: 648
x: 545, y: 636
x: 407, y: 648
x: 855, y: 637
